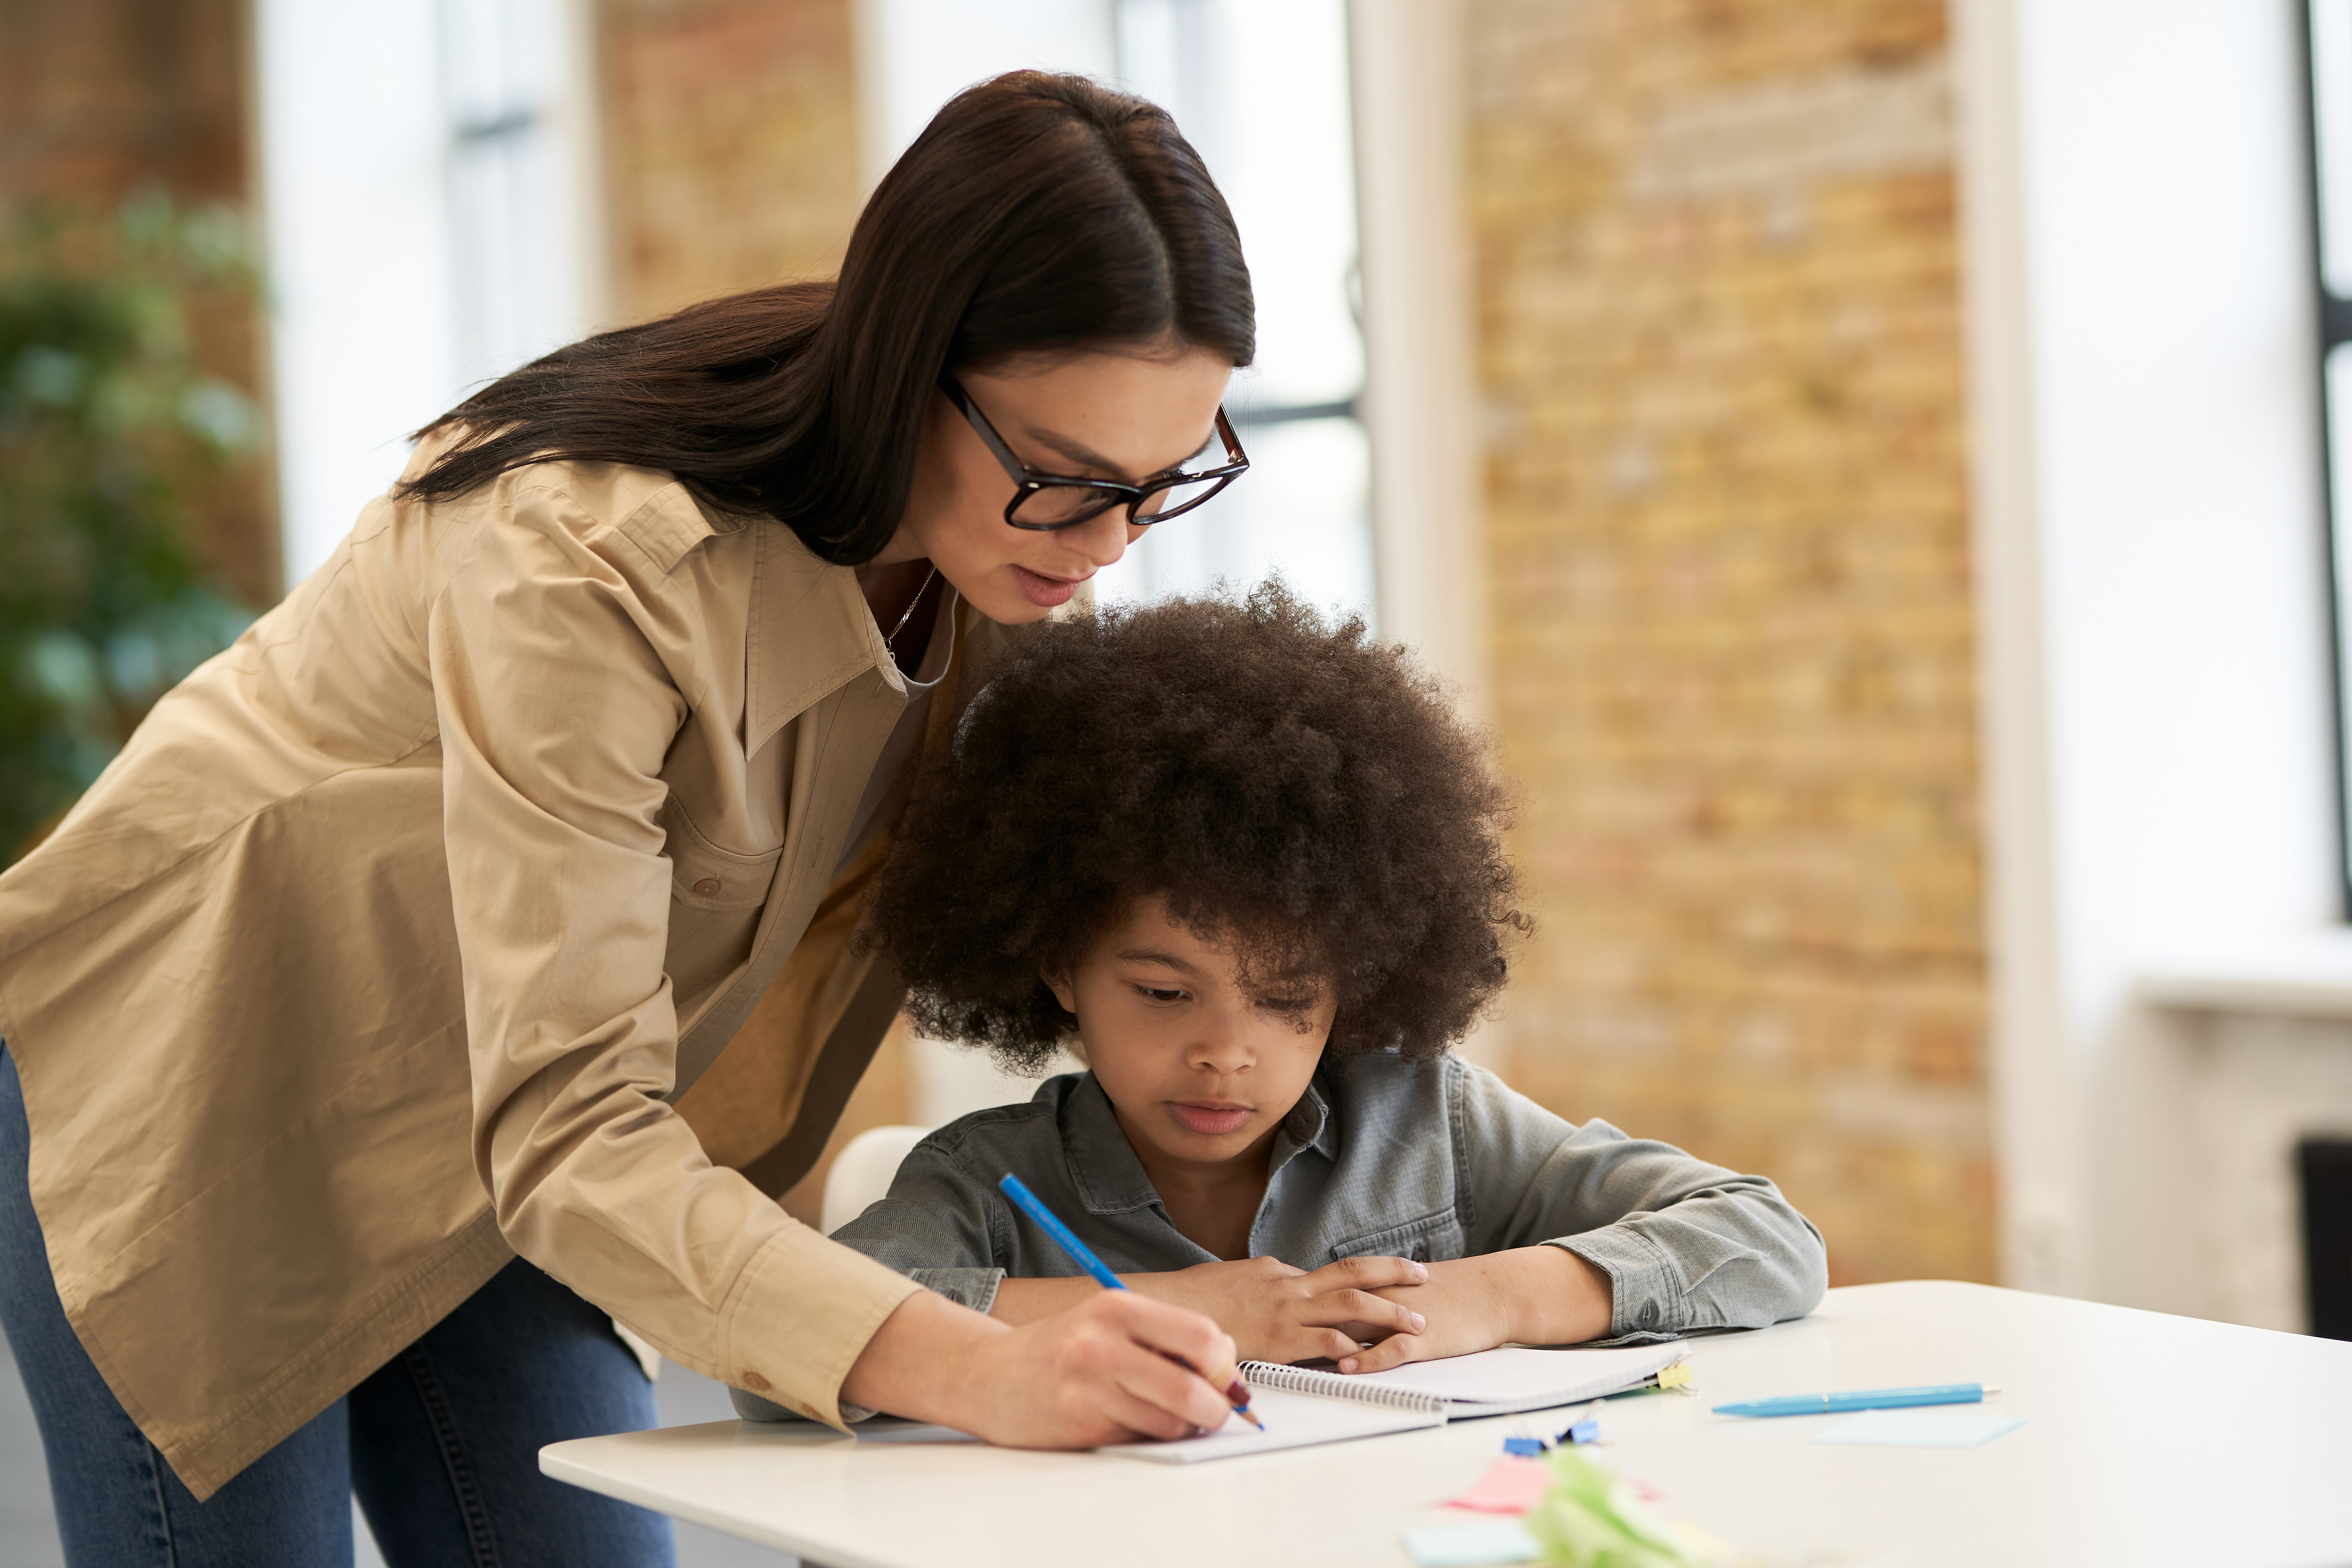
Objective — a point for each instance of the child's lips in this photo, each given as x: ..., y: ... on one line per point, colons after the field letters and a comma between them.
x: 1209, y: 1121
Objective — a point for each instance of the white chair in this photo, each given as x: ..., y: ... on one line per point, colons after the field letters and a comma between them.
x: 862, y: 1171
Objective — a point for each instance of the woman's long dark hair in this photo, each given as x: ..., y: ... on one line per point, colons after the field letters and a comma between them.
x: 1035, y: 213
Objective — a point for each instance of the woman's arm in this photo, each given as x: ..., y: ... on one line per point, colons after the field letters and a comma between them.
x: 559, y: 651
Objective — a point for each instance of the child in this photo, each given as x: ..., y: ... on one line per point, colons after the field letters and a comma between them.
x: 1255, y: 866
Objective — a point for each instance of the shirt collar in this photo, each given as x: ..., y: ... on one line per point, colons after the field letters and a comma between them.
x: 1110, y: 1178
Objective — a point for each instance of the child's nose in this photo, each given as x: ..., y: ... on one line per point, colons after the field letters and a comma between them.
x: 1222, y: 1045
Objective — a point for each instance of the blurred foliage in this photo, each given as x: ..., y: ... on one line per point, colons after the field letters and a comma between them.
x: 109, y: 435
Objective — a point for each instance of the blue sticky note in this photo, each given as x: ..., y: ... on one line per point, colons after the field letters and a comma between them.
x: 1471, y: 1545
x: 1918, y: 1429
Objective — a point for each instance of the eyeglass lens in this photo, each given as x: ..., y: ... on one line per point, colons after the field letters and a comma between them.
x: 1062, y: 505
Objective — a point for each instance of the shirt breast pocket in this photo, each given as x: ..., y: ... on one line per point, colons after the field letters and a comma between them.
x: 1436, y: 1238
x: 715, y: 898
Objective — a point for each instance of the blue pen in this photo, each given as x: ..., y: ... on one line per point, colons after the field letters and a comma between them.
x: 1082, y: 1254
x: 1861, y: 1399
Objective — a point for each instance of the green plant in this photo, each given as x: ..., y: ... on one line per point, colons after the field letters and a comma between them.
x: 110, y: 433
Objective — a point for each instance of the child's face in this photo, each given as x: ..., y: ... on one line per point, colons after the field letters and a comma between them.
x: 1201, y: 1060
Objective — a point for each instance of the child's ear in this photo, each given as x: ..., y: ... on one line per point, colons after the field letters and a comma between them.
x: 1059, y: 985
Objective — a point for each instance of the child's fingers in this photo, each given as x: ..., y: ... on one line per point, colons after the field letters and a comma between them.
x: 1361, y: 1309
x: 1395, y: 1351
x: 1326, y: 1344
x: 1368, y: 1274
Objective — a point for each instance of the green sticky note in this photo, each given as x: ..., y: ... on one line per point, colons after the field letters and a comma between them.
x: 1589, y: 1521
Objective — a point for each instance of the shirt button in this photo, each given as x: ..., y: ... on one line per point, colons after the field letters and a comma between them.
x: 708, y: 885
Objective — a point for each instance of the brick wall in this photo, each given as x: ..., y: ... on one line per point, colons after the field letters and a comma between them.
x: 731, y: 145
x: 99, y: 98
x: 732, y: 161
x: 1715, y: 278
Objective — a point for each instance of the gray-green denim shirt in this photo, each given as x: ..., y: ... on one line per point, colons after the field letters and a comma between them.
x: 1381, y: 1157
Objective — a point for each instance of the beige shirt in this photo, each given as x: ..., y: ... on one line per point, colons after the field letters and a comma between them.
x: 385, y: 948
x: 893, y: 781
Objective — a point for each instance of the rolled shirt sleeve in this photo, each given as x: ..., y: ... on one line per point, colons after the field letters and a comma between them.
x: 1685, y: 1244
x: 936, y: 1226
x: 557, y: 706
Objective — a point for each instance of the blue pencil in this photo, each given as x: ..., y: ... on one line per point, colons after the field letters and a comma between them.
x: 1082, y: 1254
x: 1861, y: 1399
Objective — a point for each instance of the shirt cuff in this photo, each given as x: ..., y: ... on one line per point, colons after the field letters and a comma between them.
x: 973, y: 1288
x: 1645, y: 1288
x: 799, y: 1318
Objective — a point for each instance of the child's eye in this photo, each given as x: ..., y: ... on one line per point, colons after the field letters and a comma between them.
x: 1160, y: 993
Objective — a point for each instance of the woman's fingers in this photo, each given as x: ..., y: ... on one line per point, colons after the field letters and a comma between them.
x: 1176, y: 1361
x: 1143, y: 1418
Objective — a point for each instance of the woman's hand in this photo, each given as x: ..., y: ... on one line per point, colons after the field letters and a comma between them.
x: 1534, y: 1295
x: 1098, y: 1372
x: 1274, y: 1311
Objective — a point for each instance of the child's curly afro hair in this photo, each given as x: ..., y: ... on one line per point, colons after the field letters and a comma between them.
x: 1297, y: 791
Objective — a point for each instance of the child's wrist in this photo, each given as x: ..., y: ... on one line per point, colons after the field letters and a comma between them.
x: 1556, y: 1297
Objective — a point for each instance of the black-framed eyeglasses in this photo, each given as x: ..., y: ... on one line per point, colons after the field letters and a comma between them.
x: 1046, y: 502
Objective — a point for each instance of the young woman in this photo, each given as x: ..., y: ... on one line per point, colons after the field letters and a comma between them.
x: 351, y: 1018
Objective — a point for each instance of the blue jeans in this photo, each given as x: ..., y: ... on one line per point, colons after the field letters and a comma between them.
x: 440, y: 1444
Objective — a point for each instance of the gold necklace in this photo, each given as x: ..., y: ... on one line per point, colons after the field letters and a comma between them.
x: 890, y: 642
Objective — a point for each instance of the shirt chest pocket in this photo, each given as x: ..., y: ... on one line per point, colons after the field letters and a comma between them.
x: 1436, y: 1238
x: 715, y: 898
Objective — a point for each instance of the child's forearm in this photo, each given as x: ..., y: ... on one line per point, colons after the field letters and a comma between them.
x: 1026, y: 1300
x: 1535, y: 1295
x: 1559, y: 1297
x: 1022, y: 1301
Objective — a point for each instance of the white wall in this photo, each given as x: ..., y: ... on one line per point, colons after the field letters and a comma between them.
x: 1421, y: 396
x: 376, y: 324
x: 915, y: 55
x: 359, y: 252
x: 2152, y: 601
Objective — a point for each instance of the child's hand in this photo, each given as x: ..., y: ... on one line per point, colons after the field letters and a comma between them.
x: 1276, y: 1312
x: 1534, y: 1295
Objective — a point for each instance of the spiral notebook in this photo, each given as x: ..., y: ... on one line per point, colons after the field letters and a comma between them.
x: 1301, y: 1405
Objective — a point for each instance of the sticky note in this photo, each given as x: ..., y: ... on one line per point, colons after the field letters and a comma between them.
x: 1917, y: 1429
x: 1470, y: 1545
x: 1511, y: 1485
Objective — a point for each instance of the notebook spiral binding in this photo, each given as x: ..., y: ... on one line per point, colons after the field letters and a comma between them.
x: 1336, y: 1385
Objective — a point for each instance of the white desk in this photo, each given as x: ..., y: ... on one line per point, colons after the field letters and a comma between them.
x: 2149, y: 1440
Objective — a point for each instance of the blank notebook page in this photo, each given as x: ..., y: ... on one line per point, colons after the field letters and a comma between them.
x: 1516, y: 1377
x: 1292, y: 1421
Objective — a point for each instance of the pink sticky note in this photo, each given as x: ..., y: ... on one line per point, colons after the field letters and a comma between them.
x: 1511, y: 1485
